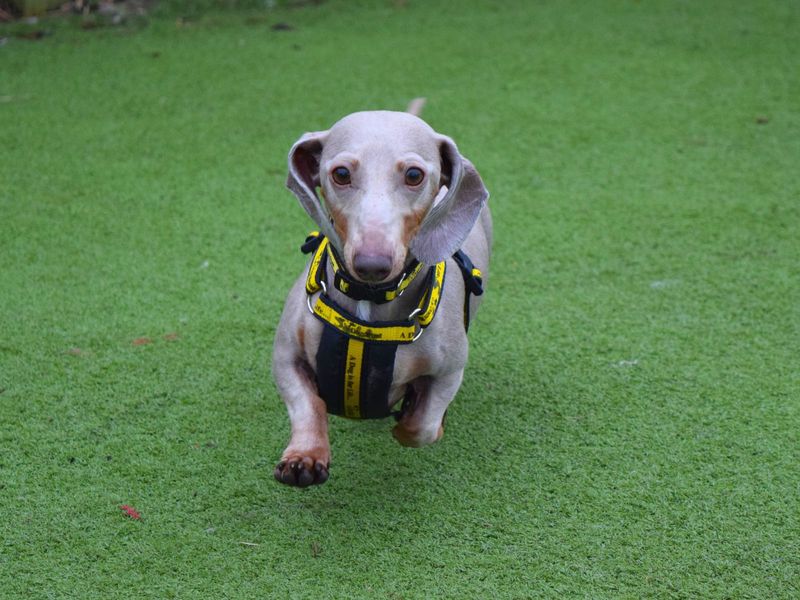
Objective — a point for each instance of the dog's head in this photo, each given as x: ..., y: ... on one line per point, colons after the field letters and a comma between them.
x: 391, y: 186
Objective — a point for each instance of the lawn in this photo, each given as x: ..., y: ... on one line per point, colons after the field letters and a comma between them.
x: 629, y: 423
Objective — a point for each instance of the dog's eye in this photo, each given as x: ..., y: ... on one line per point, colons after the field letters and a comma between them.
x: 414, y: 176
x: 341, y: 175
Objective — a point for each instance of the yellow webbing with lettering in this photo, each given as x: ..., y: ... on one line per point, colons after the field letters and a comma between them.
x: 343, y: 322
x: 396, y: 332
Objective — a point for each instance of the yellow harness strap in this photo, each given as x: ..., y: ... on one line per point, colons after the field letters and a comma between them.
x: 313, y: 279
x: 426, y: 309
x: 401, y: 332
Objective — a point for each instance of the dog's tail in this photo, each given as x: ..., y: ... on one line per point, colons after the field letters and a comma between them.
x: 415, y: 106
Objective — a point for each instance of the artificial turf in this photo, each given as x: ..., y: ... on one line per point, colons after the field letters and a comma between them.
x: 628, y: 424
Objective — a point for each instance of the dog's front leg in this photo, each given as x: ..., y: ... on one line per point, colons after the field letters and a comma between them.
x: 423, y: 423
x: 306, y: 459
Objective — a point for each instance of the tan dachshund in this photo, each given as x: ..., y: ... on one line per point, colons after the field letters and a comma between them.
x: 399, y: 201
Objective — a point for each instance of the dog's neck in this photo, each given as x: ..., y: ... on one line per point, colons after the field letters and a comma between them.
x: 363, y: 309
x: 395, y: 310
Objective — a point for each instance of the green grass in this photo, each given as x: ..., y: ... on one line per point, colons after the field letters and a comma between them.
x: 628, y: 426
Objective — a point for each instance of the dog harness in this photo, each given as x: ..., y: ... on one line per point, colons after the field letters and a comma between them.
x: 355, y: 359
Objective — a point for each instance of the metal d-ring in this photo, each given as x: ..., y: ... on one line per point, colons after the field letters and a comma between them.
x: 308, y: 296
x: 413, y: 314
x: 399, y: 283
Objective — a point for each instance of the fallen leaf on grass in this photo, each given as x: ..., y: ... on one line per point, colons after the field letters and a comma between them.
x: 171, y: 337
x: 141, y: 341
x: 75, y: 351
x: 131, y: 512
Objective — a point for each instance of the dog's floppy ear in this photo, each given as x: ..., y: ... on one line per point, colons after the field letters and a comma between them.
x: 452, y: 217
x: 303, y: 180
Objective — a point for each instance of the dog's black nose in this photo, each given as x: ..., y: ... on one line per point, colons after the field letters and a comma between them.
x: 372, y: 267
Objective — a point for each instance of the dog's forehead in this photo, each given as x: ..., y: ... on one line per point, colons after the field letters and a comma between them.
x: 382, y: 132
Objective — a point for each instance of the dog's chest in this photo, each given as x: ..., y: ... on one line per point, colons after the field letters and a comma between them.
x: 363, y: 311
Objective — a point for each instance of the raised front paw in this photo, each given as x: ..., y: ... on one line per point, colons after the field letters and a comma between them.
x: 301, y: 471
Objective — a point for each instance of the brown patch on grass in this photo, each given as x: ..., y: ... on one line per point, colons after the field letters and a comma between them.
x: 316, y: 549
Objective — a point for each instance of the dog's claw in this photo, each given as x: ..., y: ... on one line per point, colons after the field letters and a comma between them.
x: 301, y: 473
x: 321, y: 473
x: 279, y: 470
